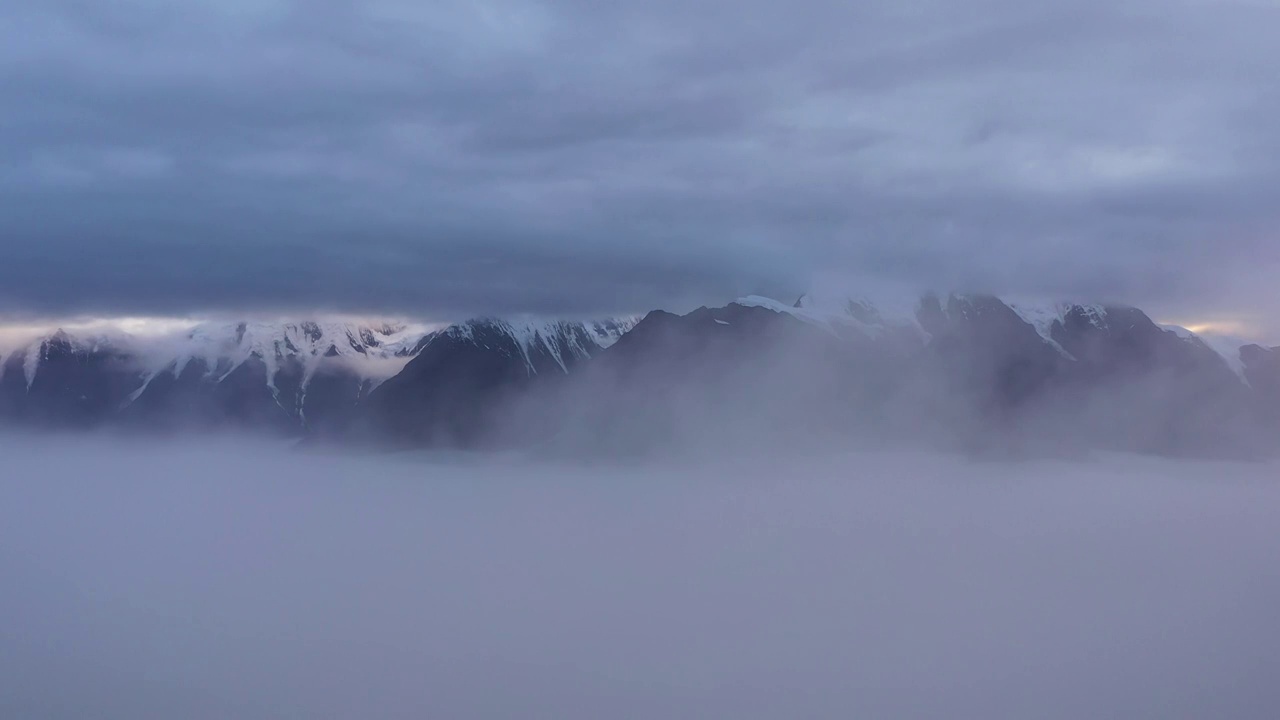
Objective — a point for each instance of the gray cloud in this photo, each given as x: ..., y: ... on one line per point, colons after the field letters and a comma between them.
x: 565, y: 156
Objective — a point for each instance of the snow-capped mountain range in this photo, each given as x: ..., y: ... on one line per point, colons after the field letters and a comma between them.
x: 955, y: 366
x: 372, y: 353
x: 872, y: 318
x: 375, y: 352
x: 239, y: 367
x: 228, y: 345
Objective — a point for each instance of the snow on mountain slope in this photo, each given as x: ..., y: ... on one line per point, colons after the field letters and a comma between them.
x: 37, y: 349
x: 31, y: 363
x: 823, y: 320
x: 835, y: 312
x: 562, y: 341
x: 872, y: 317
x: 308, y: 341
x: 373, y: 352
x: 1044, y: 316
x: 1227, y: 347
x: 280, y: 376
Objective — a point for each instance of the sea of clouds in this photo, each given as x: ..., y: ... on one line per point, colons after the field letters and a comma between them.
x: 230, y: 578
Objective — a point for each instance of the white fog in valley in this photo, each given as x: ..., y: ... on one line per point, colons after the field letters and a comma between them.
x: 238, y: 579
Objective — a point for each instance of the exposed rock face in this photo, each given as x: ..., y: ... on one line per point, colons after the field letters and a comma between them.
x: 462, y: 377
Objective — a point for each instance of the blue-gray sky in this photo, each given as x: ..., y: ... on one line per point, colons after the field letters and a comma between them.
x: 436, y: 158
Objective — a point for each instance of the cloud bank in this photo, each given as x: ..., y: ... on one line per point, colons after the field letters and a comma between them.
x: 560, y: 156
x: 228, y: 579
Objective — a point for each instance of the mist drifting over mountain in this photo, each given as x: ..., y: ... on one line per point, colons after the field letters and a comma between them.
x: 962, y: 373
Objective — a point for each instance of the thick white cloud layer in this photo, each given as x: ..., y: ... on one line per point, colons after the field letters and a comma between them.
x: 227, y: 579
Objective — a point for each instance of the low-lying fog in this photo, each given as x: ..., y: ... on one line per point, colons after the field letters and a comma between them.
x: 237, y: 580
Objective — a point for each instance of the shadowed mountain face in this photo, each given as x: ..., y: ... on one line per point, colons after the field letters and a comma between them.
x: 1262, y: 369
x: 715, y: 377
x: 963, y: 372
x: 78, y: 386
x: 454, y: 390
x: 1156, y: 390
x: 966, y: 373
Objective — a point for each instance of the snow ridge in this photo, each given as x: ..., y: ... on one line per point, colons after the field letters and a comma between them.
x: 1044, y: 316
x: 1225, y: 346
x: 563, y: 341
x: 375, y: 352
x: 100, y: 341
x: 873, y: 318
x: 836, y: 312
x: 818, y: 319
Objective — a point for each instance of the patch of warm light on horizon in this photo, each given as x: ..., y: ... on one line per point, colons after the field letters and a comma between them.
x: 19, y: 333
x: 1231, y: 327
x: 139, y: 325
x: 145, y: 325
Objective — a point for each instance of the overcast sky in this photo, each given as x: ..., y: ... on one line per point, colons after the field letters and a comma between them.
x: 440, y: 158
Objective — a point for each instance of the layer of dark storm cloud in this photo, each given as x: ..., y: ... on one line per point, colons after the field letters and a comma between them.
x: 572, y: 156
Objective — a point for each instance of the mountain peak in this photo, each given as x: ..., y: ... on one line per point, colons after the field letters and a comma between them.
x: 532, y: 337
